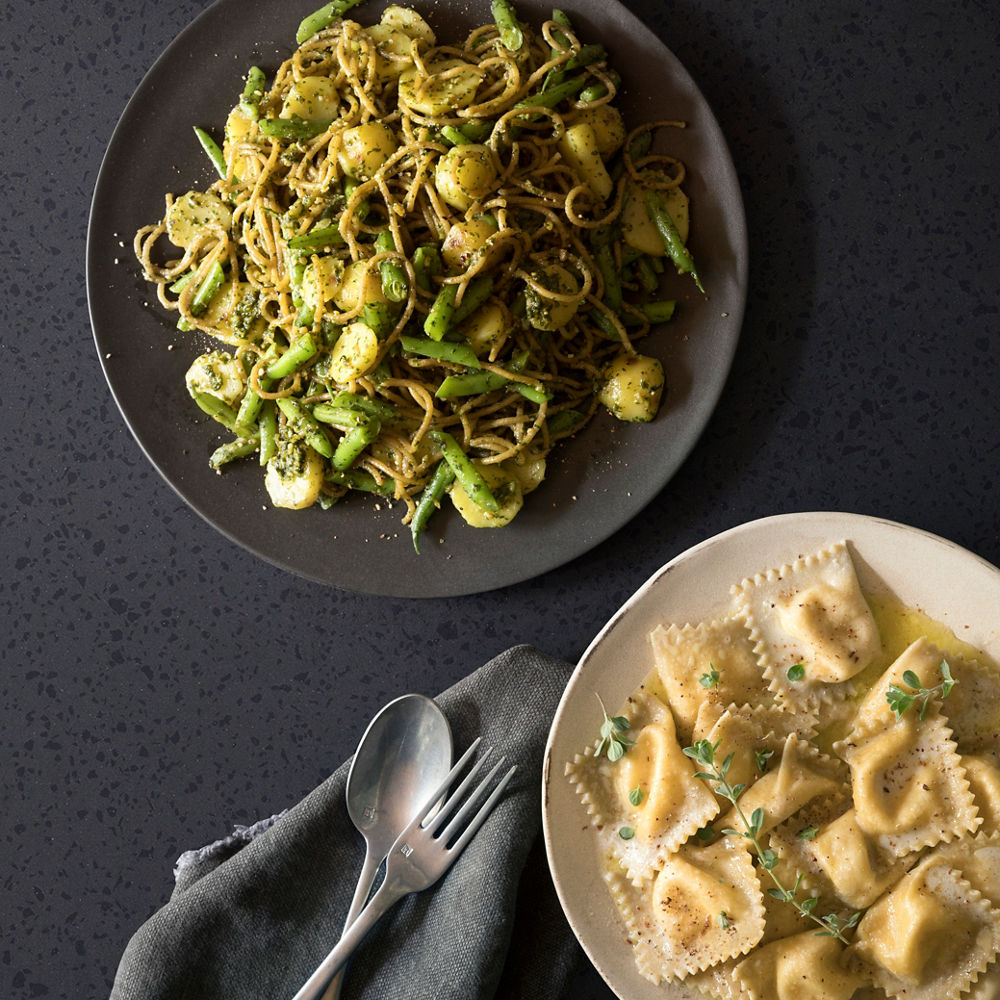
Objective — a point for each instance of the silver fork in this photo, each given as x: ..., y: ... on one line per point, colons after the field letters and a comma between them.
x: 419, y: 857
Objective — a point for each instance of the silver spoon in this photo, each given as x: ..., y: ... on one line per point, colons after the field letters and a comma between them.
x: 404, y: 755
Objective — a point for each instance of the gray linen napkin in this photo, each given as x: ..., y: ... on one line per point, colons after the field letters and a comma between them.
x: 252, y: 915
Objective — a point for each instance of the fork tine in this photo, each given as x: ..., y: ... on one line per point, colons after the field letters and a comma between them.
x: 433, y: 800
x: 456, y: 796
x: 484, y: 810
x: 470, y: 800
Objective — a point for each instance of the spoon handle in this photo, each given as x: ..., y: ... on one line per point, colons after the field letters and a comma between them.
x: 365, y: 881
x: 387, y: 895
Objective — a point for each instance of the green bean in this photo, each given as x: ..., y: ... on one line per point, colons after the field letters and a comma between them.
x: 267, y: 426
x: 303, y: 423
x: 430, y: 500
x: 476, y: 131
x: 378, y: 316
x: 395, y: 284
x: 301, y: 350
x: 468, y: 476
x: 363, y: 208
x: 473, y: 384
x: 361, y: 479
x: 251, y: 403
x: 232, y: 450
x: 323, y: 18
x: 455, y: 136
x: 556, y: 75
x: 648, y: 278
x: 598, y: 90
x: 476, y: 293
x: 249, y: 409
x: 505, y: 17
x: 426, y: 264
x: 178, y: 286
x: 356, y: 401
x: 605, y: 260
x: 345, y: 418
x: 602, y: 320
x: 659, y: 312
x: 441, y: 350
x: 640, y: 145
x: 531, y: 392
x: 316, y: 239
x: 676, y: 250
x: 211, y: 148
x: 563, y: 421
x: 253, y: 93
x: 438, y: 320
x: 550, y: 98
x: 354, y: 442
x: 293, y: 129
x: 207, y: 289
x: 217, y: 409
x: 587, y: 55
x: 476, y: 383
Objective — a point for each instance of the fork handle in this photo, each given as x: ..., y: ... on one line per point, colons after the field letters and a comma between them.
x: 386, y: 895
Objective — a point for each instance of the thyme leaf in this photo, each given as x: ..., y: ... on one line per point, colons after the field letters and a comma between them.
x: 900, y: 700
x: 711, y: 678
x: 613, y: 742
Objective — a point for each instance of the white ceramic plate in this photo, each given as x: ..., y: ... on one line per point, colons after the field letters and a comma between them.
x: 945, y: 581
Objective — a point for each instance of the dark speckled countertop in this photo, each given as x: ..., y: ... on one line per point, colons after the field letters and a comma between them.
x: 142, y: 710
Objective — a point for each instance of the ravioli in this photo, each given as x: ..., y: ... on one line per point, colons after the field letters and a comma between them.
x: 812, y: 628
x: 930, y: 936
x: 647, y: 804
x: 710, y: 663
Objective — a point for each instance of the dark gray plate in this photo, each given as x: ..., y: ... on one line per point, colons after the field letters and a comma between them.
x: 595, y: 483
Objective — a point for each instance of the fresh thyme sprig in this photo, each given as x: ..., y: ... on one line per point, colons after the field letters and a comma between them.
x: 900, y: 700
x: 613, y: 739
x: 703, y: 754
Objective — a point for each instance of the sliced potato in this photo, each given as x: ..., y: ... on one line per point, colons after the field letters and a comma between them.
x: 365, y: 148
x: 451, y: 83
x: 608, y: 125
x: 638, y: 229
x: 528, y: 469
x: 218, y: 374
x: 464, y: 239
x: 294, y: 477
x: 486, y: 328
x: 355, y: 353
x: 193, y: 215
x: 361, y: 285
x: 580, y: 149
x: 409, y: 22
x: 504, y: 487
x: 223, y: 315
x: 632, y: 388
x: 545, y: 313
x: 313, y: 98
x: 466, y: 174
x: 321, y: 281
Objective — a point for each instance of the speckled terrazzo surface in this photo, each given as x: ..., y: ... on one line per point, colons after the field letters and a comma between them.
x: 158, y: 684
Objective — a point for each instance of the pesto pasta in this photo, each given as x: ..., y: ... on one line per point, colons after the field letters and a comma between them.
x: 424, y: 264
